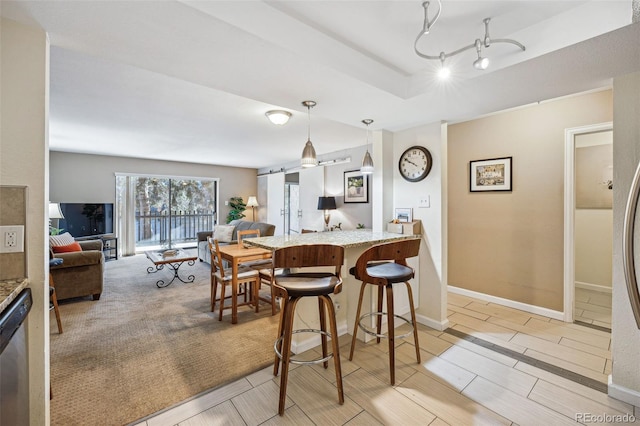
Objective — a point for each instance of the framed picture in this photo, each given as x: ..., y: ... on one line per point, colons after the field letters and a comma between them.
x: 490, y: 175
x: 356, y: 187
x: 404, y: 215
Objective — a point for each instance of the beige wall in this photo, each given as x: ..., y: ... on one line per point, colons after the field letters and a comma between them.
x: 24, y: 96
x: 510, y: 244
x: 92, y: 177
x: 593, y: 246
x: 625, y: 378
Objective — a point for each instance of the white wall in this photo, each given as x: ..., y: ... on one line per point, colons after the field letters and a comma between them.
x: 24, y: 97
x: 624, y: 382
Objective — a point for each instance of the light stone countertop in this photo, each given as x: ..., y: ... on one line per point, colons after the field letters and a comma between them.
x: 9, y: 289
x: 347, y: 239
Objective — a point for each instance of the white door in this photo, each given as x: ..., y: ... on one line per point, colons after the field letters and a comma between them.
x: 275, y: 201
x: 311, y: 187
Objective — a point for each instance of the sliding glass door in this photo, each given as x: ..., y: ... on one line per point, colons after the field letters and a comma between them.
x: 163, y: 212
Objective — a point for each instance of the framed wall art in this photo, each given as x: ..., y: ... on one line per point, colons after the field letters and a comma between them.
x: 404, y: 215
x: 356, y: 187
x: 490, y: 175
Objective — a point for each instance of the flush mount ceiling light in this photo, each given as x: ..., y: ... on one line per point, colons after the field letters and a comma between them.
x: 367, y: 162
x: 309, y: 152
x: 481, y: 63
x: 278, y: 116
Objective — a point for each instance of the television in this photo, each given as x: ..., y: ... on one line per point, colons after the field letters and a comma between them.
x: 86, y: 219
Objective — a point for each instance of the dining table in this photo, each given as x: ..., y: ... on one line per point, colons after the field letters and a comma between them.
x: 236, y: 254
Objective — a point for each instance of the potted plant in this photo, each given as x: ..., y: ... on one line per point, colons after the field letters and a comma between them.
x: 237, y: 209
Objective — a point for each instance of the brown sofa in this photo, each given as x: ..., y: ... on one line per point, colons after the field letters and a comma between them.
x: 81, y: 273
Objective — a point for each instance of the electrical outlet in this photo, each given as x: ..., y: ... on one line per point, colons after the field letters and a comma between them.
x: 12, y: 239
x: 336, y: 305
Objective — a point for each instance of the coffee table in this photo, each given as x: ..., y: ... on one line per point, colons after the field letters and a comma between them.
x: 174, y: 258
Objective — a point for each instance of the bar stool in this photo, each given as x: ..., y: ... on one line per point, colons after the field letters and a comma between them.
x: 388, y: 266
x: 292, y: 287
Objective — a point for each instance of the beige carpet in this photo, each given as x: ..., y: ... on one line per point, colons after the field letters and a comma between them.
x: 141, y: 348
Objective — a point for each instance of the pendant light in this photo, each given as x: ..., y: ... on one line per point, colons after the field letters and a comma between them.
x: 367, y: 162
x: 309, y: 153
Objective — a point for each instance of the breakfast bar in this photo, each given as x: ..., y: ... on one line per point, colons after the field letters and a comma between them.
x: 355, y: 243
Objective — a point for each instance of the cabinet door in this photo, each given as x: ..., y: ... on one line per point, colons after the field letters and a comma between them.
x: 311, y: 187
x: 275, y: 201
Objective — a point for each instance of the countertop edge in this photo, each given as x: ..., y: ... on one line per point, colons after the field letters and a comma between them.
x: 10, y: 289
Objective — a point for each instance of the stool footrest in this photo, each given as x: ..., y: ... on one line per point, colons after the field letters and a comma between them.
x: 379, y: 314
x: 306, y: 362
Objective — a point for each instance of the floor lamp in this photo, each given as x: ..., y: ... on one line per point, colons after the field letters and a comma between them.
x: 253, y: 203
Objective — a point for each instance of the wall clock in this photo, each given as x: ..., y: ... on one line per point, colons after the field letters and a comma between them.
x: 415, y: 163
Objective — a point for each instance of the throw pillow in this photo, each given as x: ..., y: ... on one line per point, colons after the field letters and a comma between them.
x: 61, y: 240
x: 223, y: 233
x: 74, y: 246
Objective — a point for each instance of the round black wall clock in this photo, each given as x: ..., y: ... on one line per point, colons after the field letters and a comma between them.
x: 415, y: 163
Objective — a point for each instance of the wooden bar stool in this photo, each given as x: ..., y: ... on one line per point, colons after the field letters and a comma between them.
x: 384, y: 265
x: 293, y: 286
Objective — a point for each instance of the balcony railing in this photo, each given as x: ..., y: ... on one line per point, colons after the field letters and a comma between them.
x: 176, y: 228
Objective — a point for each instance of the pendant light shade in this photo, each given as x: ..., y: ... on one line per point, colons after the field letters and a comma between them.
x: 367, y: 162
x: 309, y: 153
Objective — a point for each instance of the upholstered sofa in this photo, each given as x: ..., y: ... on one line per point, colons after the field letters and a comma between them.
x: 81, y: 273
x: 266, y: 230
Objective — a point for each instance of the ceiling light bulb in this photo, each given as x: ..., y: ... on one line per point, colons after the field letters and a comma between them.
x: 481, y: 63
x: 278, y: 117
x: 444, y: 73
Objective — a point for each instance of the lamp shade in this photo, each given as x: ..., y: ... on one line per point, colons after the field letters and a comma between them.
x: 55, y: 212
x: 252, y: 202
x: 326, y: 203
x: 278, y: 117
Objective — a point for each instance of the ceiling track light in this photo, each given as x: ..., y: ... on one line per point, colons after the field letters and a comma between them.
x: 367, y: 162
x: 309, y: 153
x: 480, y: 63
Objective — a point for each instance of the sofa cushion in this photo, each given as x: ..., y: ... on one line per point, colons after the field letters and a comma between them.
x: 224, y: 233
x: 61, y: 240
x: 69, y: 248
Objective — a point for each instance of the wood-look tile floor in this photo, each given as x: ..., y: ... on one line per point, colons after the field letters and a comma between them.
x: 592, y: 307
x: 458, y: 382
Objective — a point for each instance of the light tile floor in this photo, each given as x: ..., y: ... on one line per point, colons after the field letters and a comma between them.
x: 592, y: 307
x: 457, y: 383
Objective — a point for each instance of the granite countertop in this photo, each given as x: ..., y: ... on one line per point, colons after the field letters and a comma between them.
x: 9, y: 289
x: 347, y: 239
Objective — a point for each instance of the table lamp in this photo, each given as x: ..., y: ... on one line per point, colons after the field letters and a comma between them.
x: 56, y: 214
x: 253, y: 203
x: 326, y: 204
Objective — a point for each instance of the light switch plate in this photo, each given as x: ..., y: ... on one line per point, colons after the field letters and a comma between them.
x: 12, y: 239
x: 425, y: 202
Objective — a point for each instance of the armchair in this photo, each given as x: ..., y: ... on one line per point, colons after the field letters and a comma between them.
x: 81, y: 273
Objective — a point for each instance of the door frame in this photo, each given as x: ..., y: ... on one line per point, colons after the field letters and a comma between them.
x: 569, y: 210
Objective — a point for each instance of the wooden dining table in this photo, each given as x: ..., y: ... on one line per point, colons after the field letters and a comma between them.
x: 236, y: 254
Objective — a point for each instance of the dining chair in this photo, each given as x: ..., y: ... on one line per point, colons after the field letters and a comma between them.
x: 384, y: 265
x: 263, y: 266
x: 247, y: 279
x: 53, y: 298
x: 292, y: 284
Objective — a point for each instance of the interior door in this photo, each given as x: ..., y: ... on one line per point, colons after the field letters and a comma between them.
x: 275, y: 201
x: 311, y: 187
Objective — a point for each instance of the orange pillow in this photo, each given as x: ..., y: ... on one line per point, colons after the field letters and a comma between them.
x: 74, y: 246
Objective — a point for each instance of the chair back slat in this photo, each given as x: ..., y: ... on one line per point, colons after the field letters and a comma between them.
x: 397, y: 251
x: 248, y: 233
x: 216, y: 259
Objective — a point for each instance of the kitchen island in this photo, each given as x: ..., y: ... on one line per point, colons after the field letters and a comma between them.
x: 355, y: 243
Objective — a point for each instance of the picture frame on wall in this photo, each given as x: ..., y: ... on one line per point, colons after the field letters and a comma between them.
x: 404, y: 215
x: 494, y: 174
x: 356, y: 187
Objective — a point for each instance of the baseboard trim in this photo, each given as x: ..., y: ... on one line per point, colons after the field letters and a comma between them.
x: 623, y: 394
x: 432, y: 323
x: 593, y: 287
x: 538, y: 310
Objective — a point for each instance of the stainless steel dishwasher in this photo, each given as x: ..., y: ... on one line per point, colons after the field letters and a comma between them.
x: 14, y: 374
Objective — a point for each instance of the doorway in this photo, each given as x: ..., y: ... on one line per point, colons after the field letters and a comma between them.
x: 588, y: 225
x: 292, y: 210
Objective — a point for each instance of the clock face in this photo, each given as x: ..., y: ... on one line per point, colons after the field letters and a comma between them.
x: 415, y: 163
